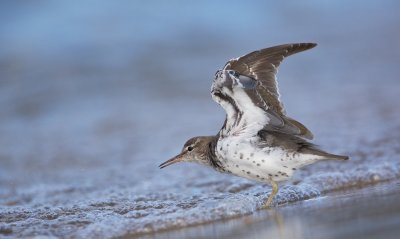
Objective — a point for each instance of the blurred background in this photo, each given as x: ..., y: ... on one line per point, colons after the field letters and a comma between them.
x: 95, y: 94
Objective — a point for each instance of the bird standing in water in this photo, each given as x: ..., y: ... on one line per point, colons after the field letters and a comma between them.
x: 258, y: 141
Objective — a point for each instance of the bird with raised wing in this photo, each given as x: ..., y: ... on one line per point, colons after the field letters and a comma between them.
x: 257, y: 141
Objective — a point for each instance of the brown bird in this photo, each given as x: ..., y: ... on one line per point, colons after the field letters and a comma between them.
x: 258, y: 141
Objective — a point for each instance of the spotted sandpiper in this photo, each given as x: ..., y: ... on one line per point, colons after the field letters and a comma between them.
x: 258, y: 141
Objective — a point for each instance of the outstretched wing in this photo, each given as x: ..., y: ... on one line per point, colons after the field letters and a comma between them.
x: 255, y: 75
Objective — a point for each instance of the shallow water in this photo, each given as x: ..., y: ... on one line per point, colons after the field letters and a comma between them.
x: 370, y: 212
x: 90, y: 109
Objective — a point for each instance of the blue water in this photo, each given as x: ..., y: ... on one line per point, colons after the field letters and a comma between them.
x: 95, y: 95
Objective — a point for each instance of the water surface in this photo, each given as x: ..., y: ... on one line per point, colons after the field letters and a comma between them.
x: 368, y: 212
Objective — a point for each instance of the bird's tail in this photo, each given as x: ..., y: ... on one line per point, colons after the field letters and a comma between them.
x: 336, y: 157
x: 326, y: 155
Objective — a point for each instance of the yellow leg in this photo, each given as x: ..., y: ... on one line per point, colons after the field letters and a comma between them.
x: 272, y: 195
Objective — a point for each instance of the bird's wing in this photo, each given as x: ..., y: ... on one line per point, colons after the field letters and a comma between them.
x: 254, y: 77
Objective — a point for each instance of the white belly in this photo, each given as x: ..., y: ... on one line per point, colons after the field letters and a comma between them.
x: 239, y: 156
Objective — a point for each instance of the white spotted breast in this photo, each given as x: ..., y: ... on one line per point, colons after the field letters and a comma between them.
x: 243, y: 157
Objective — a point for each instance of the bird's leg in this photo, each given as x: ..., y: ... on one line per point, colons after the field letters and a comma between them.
x: 273, y: 193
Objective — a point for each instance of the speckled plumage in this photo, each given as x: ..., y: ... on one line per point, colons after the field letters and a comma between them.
x: 257, y: 141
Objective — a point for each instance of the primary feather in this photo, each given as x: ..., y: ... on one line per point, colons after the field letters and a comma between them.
x: 253, y: 78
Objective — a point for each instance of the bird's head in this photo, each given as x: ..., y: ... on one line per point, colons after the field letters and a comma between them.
x: 196, y: 150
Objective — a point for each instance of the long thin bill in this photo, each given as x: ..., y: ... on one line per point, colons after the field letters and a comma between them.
x: 175, y: 159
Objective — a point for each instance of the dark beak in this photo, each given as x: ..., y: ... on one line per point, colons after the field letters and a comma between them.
x: 175, y: 159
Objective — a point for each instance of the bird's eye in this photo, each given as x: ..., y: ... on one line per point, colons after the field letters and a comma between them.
x: 190, y: 148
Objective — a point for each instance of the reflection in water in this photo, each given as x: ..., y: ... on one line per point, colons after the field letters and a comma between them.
x: 275, y: 225
x: 280, y: 224
x: 340, y: 215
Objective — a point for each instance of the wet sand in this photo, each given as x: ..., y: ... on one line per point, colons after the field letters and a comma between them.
x: 369, y: 212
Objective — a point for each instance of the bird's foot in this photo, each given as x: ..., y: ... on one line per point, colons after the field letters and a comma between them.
x: 268, y: 203
x: 274, y: 191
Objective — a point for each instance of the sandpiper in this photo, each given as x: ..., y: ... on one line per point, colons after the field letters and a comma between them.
x: 258, y: 141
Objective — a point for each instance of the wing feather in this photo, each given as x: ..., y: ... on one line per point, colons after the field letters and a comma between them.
x: 262, y: 65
